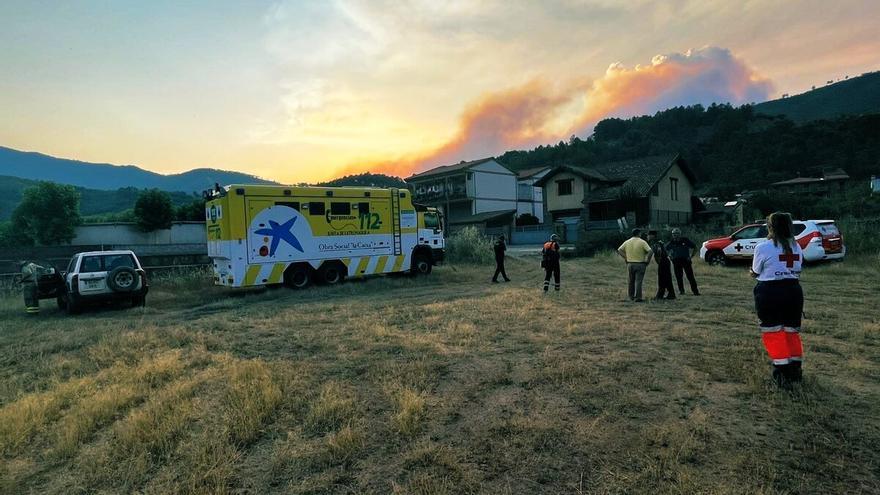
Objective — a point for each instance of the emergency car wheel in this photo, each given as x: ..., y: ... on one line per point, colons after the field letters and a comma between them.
x: 331, y: 273
x: 298, y: 276
x: 716, y: 258
x: 122, y: 279
x: 421, y: 264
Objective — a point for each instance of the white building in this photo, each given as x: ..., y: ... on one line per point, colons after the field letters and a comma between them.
x: 480, y: 192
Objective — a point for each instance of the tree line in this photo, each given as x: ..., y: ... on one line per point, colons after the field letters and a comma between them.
x: 730, y: 149
x: 49, y: 213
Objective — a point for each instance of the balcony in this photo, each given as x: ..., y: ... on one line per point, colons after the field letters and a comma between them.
x: 440, y: 191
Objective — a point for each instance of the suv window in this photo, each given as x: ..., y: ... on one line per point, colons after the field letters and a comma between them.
x: 828, y: 229
x: 90, y: 264
x: 113, y: 261
x: 799, y: 228
x: 750, y: 232
x: 72, y: 265
x: 106, y: 263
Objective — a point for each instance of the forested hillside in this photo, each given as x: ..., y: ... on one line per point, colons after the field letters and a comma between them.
x: 730, y: 149
x: 856, y: 96
x: 92, y: 201
x: 366, y: 180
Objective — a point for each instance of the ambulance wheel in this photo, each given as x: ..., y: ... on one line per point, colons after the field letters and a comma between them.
x: 298, y: 276
x: 421, y: 264
x: 331, y: 272
x: 716, y: 258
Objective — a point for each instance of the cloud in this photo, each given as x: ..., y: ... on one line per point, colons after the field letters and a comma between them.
x: 535, y: 113
x: 707, y: 75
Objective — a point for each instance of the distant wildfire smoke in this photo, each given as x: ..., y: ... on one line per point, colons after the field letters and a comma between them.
x: 529, y: 115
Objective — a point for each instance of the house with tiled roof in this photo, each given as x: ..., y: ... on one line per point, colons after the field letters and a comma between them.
x: 654, y: 190
x: 831, y: 182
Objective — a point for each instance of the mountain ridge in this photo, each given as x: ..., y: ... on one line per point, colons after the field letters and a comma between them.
x: 34, y: 165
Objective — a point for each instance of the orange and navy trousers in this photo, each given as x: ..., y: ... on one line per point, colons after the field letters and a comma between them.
x: 780, y: 305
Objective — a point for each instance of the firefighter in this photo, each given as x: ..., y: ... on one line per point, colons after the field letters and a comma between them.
x: 664, y: 267
x: 550, y: 262
x: 779, y: 299
x: 30, y: 278
x: 500, y: 247
x: 682, y: 250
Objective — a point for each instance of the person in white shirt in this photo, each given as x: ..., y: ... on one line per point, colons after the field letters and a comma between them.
x: 779, y: 299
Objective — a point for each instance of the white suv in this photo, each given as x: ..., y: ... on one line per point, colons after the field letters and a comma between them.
x: 819, y: 239
x: 103, y: 276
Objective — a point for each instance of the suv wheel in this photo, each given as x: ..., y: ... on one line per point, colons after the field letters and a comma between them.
x: 73, y: 306
x: 716, y: 258
x: 122, y: 279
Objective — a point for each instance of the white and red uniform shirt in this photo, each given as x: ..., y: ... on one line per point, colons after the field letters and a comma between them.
x: 771, y: 262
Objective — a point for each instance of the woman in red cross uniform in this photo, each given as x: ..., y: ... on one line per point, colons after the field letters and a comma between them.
x: 779, y: 299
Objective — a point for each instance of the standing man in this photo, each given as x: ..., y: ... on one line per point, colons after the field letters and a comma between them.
x: 664, y: 267
x: 550, y: 261
x: 681, y: 250
x: 500, y: 247
x: 637, y: 254
x: 30, y: 277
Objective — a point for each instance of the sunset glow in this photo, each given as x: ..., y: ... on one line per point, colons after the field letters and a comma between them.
x: 306, y: 91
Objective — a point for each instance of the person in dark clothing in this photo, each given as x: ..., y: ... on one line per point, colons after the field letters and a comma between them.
x: 664, y: 267
x: 500, y: 247
x: 550, y: 262
x: 681, y: 250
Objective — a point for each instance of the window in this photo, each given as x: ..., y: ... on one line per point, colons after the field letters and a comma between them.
x: 826, y: 229
x: 364, y: 207
x: 114, y: 261
x: 799, y: 228
x: 563, y: 187
x: 673, y: 188
x: 432, y: 221
x: 289, y: 204
x: 340, y: 208
x: 752, y: 232
x: 316, y: 208
x: 72, y: 265
x: 90, y: 264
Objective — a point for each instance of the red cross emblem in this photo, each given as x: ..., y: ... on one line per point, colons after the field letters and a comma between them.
x: 789, y: 259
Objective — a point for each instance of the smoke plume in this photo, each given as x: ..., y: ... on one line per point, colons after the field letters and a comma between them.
x: 536, y: 112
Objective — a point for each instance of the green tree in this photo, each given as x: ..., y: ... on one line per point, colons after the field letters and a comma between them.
x: 191, y: 212
x: 47, y: 215
x: 153, y: 210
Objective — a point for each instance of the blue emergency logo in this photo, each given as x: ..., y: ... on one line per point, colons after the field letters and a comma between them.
x: 280, y: 232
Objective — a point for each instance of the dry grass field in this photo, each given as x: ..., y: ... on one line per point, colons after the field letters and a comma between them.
x: 446, y: 384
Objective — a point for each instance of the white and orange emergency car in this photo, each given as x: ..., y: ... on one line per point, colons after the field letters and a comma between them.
x: 819, y: 239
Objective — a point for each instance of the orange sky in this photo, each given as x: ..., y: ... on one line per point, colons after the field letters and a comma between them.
x: 305, y: 91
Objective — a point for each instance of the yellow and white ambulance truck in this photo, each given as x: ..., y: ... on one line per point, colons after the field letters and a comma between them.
x: 266, y: 235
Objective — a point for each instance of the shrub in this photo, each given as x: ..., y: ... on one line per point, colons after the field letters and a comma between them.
x: 469, y: 246
x: 591, y: 242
